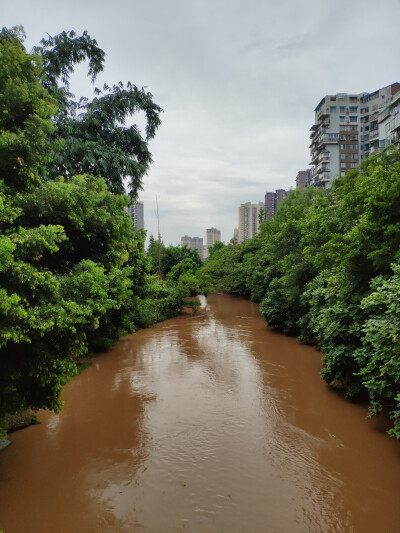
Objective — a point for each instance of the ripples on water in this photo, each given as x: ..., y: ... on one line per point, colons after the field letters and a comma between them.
x: 208, y: 422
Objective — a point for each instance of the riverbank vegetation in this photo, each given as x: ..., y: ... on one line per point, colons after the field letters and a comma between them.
x: 74, y: 274
x: 327, y: 269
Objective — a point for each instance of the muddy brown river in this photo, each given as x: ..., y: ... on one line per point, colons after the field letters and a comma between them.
x: 205, y: 423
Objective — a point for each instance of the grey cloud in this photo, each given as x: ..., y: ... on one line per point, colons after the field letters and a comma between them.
x: 238, y: 80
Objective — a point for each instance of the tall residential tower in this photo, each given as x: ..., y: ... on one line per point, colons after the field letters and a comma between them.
x: 249, y: 220
x: 136, y: 211
x: 212, y: 236
x: 272, y: 201
x: 346, y: 130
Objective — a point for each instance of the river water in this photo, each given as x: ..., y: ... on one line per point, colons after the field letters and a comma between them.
x: 205, y: 423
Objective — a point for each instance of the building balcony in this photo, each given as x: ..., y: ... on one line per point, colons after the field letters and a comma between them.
x: 375, y: 149
x: 329, y: 138
x: 374, y: 134
x: 348, y: 128
x: 324, y: 177
x: 384, y: 114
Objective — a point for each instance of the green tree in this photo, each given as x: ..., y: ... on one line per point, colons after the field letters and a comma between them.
x: 155, y: 252
x: 73, y: 272
x: 95, y: 135
x: 289, y: 270
x: 214, y: 248
x: 224, y: 271
x: 26, y: 112
x: 164, y: 258
x: 379, y: 356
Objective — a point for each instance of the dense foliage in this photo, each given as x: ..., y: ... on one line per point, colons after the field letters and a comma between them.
x: 326, y: 269
x: 95, y: 138
x: 74, y: 275
x: 164, y: 258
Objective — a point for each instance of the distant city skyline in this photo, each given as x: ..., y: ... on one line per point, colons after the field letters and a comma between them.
x: 238, y: 82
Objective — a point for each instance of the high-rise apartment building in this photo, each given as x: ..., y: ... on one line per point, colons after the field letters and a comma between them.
x: 389, y: 123
x: 303, y: 179
x: 347, y: 130
x: 194, y: 243
x: 186, y: 240
x: 272, y: 201
x: 197, y: 244
x: 136, y: 211
x: 212, y: 236
x: 249, y: 220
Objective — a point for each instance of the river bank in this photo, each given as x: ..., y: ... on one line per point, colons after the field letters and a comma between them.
x: 212, y: 419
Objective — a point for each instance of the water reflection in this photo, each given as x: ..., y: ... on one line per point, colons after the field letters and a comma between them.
x: 208, y: 422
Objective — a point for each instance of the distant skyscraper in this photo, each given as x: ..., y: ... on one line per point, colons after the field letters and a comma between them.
x: 269, y: 205
x: 197, y: 244
x: 249, y: 220
x: 213, y: 235
x: 194, y: 243
x: 136, y: 211
x: 272, y: 201
x: 303, y: 179
x: 186, y: 240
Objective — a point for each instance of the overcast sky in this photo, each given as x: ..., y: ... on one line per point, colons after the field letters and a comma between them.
x: 238, y: 81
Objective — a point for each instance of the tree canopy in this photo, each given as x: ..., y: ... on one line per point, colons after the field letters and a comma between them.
x: 74, y: 275
x: 326, y: 269
x: 97, y: 136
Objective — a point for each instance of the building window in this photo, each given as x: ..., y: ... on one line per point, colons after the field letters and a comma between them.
x: 342, y: 146
x: 342, y: 109
x: 343, y: 137
x: 342, y: 119
x: 353, y: 119
x: 353, y: 165
x: 342, y: 165
x: 353, y: 109
x: 333, y: 109
x: 342, y: 156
